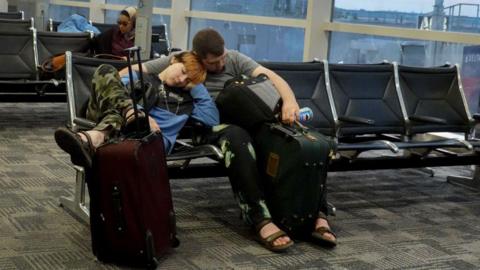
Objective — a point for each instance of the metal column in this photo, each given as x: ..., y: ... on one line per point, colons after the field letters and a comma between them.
x: 143, y: 28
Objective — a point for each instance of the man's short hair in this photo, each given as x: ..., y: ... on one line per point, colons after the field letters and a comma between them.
x: 208, y: 41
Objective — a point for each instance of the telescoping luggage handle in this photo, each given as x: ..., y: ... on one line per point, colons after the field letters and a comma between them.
x: 295, y: 130
x: 133, y: 50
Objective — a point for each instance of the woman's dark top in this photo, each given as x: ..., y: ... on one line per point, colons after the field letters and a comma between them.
x: 112, y: 42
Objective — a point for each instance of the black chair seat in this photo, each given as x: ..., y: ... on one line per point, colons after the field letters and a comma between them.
x: 199, y: 151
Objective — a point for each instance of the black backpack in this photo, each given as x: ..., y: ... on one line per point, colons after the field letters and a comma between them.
x: 249, y: 102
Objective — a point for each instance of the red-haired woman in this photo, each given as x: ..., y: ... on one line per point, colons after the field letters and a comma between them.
x: 180, y: 95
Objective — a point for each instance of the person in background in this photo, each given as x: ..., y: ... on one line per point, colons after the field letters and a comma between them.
x: 115, y: 40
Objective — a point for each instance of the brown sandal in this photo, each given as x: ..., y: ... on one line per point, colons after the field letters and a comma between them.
x: 319, y: 236
x: 268, y: 241
x: 81, y: 152
x: 133, y: 123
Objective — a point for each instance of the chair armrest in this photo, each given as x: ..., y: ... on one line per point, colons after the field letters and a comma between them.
x: 428, y: 119
x: 84, y: 123
x: 356, y: 120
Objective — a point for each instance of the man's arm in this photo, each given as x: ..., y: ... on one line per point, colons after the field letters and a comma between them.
x: 290, y: 109
x: 135, y: 67
x: 154, y: 66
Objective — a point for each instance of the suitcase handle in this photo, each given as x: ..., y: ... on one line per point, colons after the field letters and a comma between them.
x: 293, y: 131
x: 287, y: 131
x: 136, y: 49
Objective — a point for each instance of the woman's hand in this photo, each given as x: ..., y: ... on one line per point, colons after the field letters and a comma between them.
x: 153, y: 125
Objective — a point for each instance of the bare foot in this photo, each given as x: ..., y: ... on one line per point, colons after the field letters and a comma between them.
x: 270, y: 229
x: 98, y: 137
x: 321, y: 222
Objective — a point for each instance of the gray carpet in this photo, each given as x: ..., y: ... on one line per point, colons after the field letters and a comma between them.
x: 393, y: 219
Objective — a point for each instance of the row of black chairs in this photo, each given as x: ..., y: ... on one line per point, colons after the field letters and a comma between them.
x: 362, y: 107
x: 14, y: 22
x: 14, y: 31
x: 386, y: 107
x: 25, y: 49
x: 23, y: 52
x: 381, y: 106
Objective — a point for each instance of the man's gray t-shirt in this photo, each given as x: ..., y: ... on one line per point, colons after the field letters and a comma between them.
x: 236, y: 64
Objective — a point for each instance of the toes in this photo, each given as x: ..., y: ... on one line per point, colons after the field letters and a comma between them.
x: 281, y: 241
x: 82, y: 136
x: 329, y: 236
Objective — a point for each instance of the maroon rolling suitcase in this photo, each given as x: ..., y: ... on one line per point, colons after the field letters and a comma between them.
x: 131, y: 212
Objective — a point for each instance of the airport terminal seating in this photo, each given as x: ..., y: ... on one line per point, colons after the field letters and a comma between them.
x: 26, y: 48
x: 380, y: 115
x: 386, y: 107
x: 23, y: 51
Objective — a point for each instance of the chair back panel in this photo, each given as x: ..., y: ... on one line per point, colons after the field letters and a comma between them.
x: 11, y: 15
x: 307, y: 81
x: 366, y: 91
x: 12, y: 25
x: 52, y: 43
x: 83, y: 69
x: 434, y: 92
x: 17, y: 57
x: 160, y: 30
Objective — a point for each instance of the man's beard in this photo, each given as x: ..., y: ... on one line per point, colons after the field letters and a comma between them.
x: 217, y: 71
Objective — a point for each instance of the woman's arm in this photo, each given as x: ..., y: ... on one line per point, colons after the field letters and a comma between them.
x: 204, y: 108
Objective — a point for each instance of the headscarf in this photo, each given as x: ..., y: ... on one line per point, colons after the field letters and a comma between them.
x: 131, y: 13
x: 122, y: 41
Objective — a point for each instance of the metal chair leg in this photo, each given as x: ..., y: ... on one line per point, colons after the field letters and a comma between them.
x: 76, y: 205
x: 428, y: 171
x: 332, y: 210
x: 467, y: 182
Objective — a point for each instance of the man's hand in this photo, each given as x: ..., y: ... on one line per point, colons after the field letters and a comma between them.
x: 290, y: 112
x: 153, y: 125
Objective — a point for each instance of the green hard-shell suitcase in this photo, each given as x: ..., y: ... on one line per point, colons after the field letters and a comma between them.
x: 294, y: 163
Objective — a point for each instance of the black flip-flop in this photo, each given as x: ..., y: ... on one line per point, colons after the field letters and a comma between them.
x: 80, y: 152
